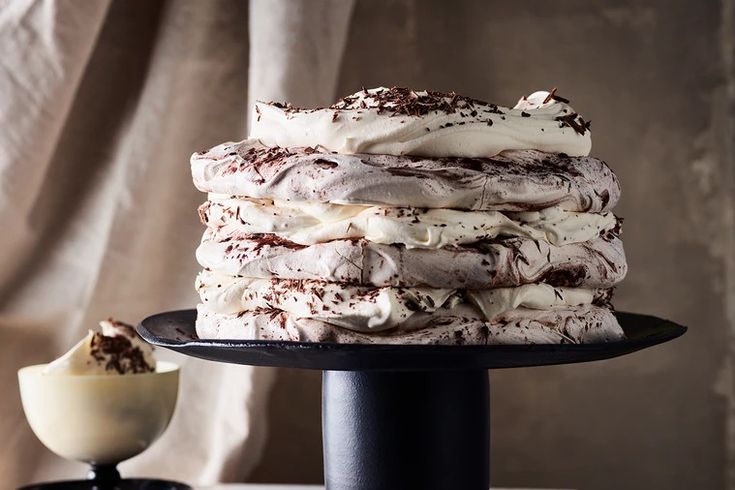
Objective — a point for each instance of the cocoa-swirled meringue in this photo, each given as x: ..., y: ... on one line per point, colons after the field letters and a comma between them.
x: 598, y: 263
x: 585, y: 324
x: 517, y: 180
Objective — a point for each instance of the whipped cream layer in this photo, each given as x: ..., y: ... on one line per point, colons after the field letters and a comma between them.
x: 370, y: 309
x: 599, y: 263
x: 117, y: 349
x: 308, y: 223
x: 399, y: 121
x: 517, y: 180
x: 564, y: 325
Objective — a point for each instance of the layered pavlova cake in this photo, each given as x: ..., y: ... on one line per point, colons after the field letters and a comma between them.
x: 401, y: 216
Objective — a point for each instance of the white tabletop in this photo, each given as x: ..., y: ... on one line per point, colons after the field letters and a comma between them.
x: 258, y: 486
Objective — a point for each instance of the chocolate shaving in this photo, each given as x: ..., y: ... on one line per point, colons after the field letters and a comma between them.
x: 575, y: 122
x: 552, y: 96
x: 118, y: 353
x: 402, y: 101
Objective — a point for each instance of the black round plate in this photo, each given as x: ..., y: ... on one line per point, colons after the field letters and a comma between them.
x: 124, y: 484
x: 175, y: 330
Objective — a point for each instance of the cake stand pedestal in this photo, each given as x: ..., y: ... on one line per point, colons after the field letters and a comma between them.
x: 402, y: 416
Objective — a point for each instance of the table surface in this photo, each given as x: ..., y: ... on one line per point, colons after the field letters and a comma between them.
x: 256, y: 486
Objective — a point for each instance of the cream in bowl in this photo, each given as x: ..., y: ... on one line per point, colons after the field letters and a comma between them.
x: 104, y: 401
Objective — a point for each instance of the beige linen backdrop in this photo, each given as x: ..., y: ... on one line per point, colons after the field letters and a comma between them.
x: 102, y: 102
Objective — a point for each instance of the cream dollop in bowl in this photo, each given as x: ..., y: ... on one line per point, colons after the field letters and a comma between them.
x: 99, y: 419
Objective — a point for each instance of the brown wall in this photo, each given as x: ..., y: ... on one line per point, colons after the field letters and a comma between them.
x: 656, y: 79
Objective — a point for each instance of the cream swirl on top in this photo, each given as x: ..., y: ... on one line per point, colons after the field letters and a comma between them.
x: 399, y: 121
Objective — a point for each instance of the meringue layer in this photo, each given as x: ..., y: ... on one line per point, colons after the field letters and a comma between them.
x: 368, y: 309
x: 402, y: 122
x: 517, y: 180
x: 599, y: 263
x: 571, y: 325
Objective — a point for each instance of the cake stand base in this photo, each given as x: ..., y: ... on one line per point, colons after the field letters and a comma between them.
x: 407, y: 429
x: 402, y: 416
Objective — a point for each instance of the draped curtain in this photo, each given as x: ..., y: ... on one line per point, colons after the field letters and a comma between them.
x: 101, y: 105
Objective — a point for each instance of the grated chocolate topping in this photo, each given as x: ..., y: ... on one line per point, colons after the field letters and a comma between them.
x: 575, y: 122
x: 404, y: 102
x: 407, y: 102
x: 118, y: 353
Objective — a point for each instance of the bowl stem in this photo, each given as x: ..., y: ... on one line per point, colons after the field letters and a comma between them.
x: 103, y: 472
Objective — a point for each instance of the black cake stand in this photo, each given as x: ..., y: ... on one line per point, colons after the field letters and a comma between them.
x: 402, y: 416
